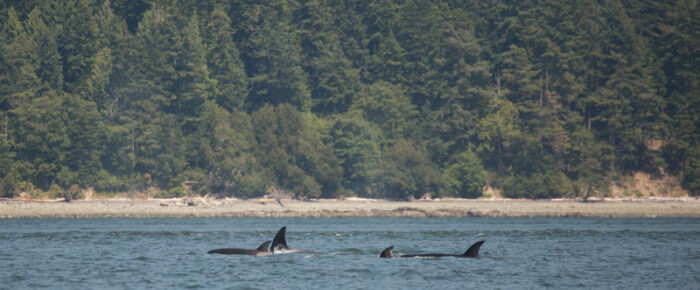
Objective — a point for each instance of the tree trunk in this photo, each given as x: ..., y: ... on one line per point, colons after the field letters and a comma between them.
x: 541, y: 92
x: 588, y: 193
x: 498, y: 84
x: 133, y: 145
x: 588, y: 118
x: 6, y: 116
x: 612, y: 145
x: 499, y: 155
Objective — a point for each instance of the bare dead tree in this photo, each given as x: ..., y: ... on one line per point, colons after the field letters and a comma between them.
x: 6, y: 117
x: 133, y: 143
x: 114, y: 108
x: 497, y: 85
x: 541, y: 92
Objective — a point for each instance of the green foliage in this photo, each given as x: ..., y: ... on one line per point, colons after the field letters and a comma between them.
x: 300, y: 161
x: 691, y: 173
x: 356, y: 143
x: 586, y: 163
x: 78, y: 44
x: 334, y: 82
x: 73, y: 192
x: 131, y: 11
x: 8, y: 186
x: 546, y: 184
x: 224, y: 62
x: 407, y: 172
x: 160, y: 151
x: 497, y: 129
x: 273, y: 60
x: 464, y: 177
x: 9, y: 183
x: 390, y: 108
x: 371, y: 98
x: 191, y: 83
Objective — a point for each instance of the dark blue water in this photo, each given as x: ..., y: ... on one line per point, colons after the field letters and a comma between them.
x: 518, y: 253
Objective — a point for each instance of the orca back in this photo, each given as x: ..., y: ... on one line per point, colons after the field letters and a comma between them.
x: 280, y: 241
x: 265, y: 247
x: 387, y: 252
x: 473, y: 251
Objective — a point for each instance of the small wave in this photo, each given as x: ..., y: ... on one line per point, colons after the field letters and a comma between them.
x: 142, y: 259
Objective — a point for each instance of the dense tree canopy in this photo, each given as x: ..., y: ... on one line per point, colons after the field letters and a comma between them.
x: 316, y: 98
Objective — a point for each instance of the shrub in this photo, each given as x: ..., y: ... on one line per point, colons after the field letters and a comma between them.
x: 547, y: 184
x: 465, y: 176
x: 691, y: 173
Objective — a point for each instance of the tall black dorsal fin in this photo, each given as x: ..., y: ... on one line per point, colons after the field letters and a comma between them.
x: 387, y: 252
x: 265, y: 246
x: 473, y: 251
x: 280, y: 242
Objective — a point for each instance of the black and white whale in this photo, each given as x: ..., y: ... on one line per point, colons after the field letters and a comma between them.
x: 279, y: 244
x: 472, y: 252
x: 262, y: 250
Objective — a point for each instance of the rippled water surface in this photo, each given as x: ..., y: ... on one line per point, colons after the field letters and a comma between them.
x: 518, y: 253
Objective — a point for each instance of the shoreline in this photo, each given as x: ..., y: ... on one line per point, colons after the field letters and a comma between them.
x: 352, y: 207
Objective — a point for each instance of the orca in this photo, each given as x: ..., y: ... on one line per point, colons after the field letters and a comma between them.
x: 279, y: 244
x: 262, y: 250
x: 472, y: 252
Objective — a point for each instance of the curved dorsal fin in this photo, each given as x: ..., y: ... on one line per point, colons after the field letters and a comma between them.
x: 473, y: 251
x: 265, y: 246
x: 280, y: 242
x: 387, y: 252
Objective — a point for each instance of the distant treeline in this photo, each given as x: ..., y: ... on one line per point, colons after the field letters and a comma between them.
x: 386, y: 98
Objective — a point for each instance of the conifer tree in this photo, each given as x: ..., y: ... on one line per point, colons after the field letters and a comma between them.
x: 224, y: 63
x: 273, y: 61
x: 191, y: 84
x: 336, y: 82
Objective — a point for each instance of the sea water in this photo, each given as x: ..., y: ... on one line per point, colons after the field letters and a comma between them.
x: 165, y: 253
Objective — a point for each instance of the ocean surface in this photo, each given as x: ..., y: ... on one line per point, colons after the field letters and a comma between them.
x: 164, y: 253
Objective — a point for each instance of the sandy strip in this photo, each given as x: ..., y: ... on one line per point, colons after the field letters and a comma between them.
x: 202, y: 207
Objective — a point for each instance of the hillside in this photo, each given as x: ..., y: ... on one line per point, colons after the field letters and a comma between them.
x: 380, y: 99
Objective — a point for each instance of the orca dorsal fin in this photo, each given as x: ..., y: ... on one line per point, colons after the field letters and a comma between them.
x: 473, y: 251
x: 280, y: 242
x: 265, y: 246
x: 387, y: 252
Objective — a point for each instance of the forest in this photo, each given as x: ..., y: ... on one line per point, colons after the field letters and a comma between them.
x: 393, y: 99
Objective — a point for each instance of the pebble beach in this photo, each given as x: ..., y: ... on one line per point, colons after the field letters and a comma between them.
x: 209, y: 207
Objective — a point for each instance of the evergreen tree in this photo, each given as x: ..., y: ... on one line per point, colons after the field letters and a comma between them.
x: 18, y: 79
x: 131, y: 11
x: 497, y: 129
x: 299, y: 159
x: 389, y: 107
x: 356, y: 143
x: 336, y: 81
x: 273, y: 61
x: 78, y: 45
x: 222, y: 145
x: 50, y: 70
x: 465, y: 176
x: 691, y: 172
x: 327, y: 98
x: 191, y: 84
x: 224, y: 62
x: 407, y: 172
x: 673, y: 33
x: 586, y: 163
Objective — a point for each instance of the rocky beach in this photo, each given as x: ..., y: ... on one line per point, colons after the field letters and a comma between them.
x: 353, y: 207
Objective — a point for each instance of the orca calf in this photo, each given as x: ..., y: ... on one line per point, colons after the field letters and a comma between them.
x: 472, y: 252
x: 279, y: 244
x: 262, y: 250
